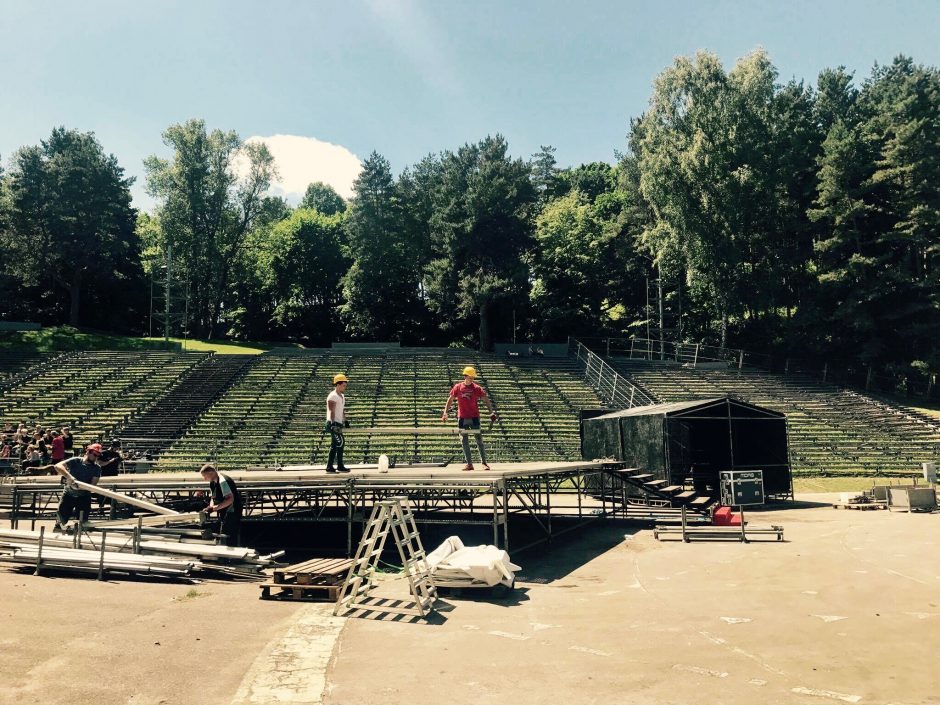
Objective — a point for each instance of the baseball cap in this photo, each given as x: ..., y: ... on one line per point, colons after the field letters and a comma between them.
x: 94, y: 448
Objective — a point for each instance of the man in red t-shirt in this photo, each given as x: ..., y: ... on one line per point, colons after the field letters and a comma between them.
x: 58, y: 448
x: 468, y: 394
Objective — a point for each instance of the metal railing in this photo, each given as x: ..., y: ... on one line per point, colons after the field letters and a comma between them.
x: 606, y: 381
x: 891, y: 382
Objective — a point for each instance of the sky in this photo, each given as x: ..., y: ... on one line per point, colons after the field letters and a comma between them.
x: 324, y: 84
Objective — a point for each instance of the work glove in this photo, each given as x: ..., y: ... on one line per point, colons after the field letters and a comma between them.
x: 493, y: 417
x: 346, y: 423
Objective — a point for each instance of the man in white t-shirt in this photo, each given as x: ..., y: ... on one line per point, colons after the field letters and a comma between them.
x: 336, y: 422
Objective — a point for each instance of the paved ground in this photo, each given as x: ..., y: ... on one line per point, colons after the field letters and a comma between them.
x: 846, y: 610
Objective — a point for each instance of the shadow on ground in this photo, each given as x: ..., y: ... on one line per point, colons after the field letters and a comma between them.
x: 553, y: 561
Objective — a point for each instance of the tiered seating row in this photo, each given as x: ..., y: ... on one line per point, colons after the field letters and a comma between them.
x: 94, y: 392
x: 832, y: 429
x: 274, y: 413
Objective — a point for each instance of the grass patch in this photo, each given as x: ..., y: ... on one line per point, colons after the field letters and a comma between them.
x: 68, y: 339
x: 226, y: 347
x: 847, y: 483
x: 191, y: 594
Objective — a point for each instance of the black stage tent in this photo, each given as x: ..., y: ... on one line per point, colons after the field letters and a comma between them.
x: 695, y: 439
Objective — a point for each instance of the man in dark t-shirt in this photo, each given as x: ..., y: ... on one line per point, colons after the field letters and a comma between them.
x: 84, y: 469
x: 110, y: 460
x: 226, y: 502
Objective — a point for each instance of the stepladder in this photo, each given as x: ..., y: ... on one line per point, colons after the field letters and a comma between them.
x: 391, y: 516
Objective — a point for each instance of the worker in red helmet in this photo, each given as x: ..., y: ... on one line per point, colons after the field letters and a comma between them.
x: 75, y: 499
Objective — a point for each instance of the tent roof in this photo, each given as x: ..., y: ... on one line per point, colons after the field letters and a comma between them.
x: 677, y: 408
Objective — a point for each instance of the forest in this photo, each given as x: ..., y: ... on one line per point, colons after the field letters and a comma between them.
x: 791, y: 217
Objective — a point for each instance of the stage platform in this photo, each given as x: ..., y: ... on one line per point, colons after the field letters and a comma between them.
x: 540, y: 491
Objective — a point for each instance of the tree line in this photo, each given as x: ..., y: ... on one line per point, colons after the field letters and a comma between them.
x: 741, y: 211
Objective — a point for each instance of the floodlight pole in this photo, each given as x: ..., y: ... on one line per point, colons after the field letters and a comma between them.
x: 166, y: 306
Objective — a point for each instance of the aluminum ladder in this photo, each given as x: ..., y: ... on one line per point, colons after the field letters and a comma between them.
x: 389, y: 516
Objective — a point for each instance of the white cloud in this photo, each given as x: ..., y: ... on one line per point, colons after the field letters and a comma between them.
x: 301, y: 161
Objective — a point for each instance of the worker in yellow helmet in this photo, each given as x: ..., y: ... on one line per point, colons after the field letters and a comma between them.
x: 337, y: 422
x: 468, y: 393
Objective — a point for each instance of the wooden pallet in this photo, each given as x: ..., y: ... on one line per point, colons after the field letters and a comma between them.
x: 860, y: 507
x: 317, y: 571
x: 299, y: 593
x: 316, y: 580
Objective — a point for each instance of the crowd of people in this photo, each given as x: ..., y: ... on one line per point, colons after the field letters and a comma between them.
x: 38, y: 449
x: 37, y: 446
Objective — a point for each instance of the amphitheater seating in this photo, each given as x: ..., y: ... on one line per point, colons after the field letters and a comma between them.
x: 274, y: 412
x: 167, y: 417
x: 14, y: 362
x: 831, y: 429
x: 93, y: 392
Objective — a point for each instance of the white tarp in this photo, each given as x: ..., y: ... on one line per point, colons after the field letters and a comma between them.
x: 454, y: 565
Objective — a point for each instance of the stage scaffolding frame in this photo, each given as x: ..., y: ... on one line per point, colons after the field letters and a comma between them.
x: 584, y: 492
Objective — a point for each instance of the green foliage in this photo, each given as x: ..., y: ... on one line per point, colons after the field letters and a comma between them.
x: 481, y: 227
x: 802, y: 219
x: 323, y: 199
x: 207, y: 210
x: 380, y: 288
x: 300, y: 265
x: 71, y: 226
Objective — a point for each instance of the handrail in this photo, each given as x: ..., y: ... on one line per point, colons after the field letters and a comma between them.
x: 861, y: 377
x: 612, y: 386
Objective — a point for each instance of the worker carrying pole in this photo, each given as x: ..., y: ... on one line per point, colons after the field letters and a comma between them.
x: 468, y: 393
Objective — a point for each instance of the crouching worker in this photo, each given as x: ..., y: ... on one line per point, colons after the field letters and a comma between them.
x: 74, y: 499
x: 226, y: 502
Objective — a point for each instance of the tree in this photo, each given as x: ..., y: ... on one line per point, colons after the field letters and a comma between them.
x: 570, y: 248
x: 323, y: 199
x: 706, y: 171
x: 879, y: 199
x: 545, y: 173
x: 381, y: 287
x: 71, y: 221
x: 299, y: 265
x: 481, y: 230
x: 207, y: 209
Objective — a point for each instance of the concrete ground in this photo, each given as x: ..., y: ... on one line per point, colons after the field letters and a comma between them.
x: 846, y: 609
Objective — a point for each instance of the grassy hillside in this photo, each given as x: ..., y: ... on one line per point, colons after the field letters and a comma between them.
x: 65, y: 338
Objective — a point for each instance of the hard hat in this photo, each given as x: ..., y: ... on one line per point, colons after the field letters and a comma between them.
x: 469, y: 372
x: 340, y: 378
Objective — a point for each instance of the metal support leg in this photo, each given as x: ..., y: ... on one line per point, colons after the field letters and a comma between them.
x: 349, y: 520
x: 104, y: 545
x: 42, y: 535
x: 493, y: 489
x: 580, y: 486
x: 505, y: 517
x: 548, y: 508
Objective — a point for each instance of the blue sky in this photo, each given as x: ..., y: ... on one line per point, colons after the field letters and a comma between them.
x: 402, y: 78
